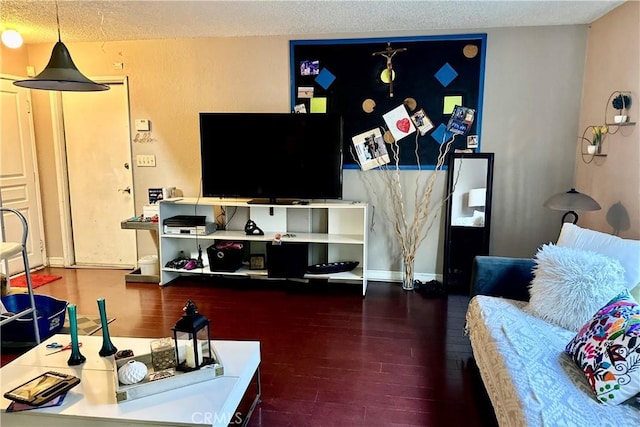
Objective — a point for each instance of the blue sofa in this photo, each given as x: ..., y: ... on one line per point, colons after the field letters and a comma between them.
x: 502, y: 277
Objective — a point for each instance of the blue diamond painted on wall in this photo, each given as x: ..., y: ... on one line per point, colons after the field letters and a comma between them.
x: 446, y: 74
x: 441, y: 134
x: 325, y: 78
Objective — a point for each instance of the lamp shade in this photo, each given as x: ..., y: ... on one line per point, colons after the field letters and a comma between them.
x: 61, y: 74
x: 572, y: 200
x: 477, y: 197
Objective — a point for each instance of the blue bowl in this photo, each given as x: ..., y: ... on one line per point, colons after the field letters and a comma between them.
x: 50, y: 313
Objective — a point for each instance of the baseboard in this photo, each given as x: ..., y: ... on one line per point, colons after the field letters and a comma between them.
x: 56, y: 261
x: 396, y: 276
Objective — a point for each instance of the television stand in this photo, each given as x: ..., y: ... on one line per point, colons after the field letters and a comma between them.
x: 335, y: 231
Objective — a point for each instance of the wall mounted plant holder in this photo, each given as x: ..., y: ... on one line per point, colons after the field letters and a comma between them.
x: 616, y: 113
x: 621, y: 102
x: 592, y: 140
x: 616, y: 117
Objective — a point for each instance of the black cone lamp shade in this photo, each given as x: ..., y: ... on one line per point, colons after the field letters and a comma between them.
x: 572, y: 201
x: 61, y: 74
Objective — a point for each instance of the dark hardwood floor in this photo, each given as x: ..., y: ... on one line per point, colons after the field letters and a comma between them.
x: 329, y: 356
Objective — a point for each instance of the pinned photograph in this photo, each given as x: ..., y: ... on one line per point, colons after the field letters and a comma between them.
x: 422, y: 121
x: 305, y: 92
x: 370, y: 149
x: 309, y: 68
x: 472, y: 141
x: 399, y: 122
x: 461, y: 120
x: 300, y: 109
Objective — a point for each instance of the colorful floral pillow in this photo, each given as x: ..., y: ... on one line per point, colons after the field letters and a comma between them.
x: 607, y: 349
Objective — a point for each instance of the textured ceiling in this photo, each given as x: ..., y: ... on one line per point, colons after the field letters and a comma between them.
x: 145, y: 20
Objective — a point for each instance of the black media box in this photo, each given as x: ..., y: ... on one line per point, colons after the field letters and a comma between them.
x: 225, y: 255
x: 287, y: 260
x: 185, y: 221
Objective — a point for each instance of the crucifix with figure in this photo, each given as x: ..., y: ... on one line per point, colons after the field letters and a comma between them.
x: 389, y: 53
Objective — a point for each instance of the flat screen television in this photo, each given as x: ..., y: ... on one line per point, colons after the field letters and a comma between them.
x: 271, y: 157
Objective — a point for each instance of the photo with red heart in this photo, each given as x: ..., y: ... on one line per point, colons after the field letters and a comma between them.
x: 399, y: 122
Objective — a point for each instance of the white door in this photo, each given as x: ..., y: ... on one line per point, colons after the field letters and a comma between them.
x: 19, y: 187
x: 98, y: 149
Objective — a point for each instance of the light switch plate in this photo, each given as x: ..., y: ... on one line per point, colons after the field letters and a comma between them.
x: 146, y: 160
x: 143, y: 125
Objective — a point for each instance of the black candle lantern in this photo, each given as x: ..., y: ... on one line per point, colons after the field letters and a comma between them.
x: 192, y: 342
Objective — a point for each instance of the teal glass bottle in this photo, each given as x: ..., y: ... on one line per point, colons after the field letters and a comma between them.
x: 107, y: 346
x: 76, y: 357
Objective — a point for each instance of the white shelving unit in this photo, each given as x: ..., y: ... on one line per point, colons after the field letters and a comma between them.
x: 334, y: 230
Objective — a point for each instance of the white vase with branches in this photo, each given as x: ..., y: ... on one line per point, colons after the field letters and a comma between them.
x: 411, y: 223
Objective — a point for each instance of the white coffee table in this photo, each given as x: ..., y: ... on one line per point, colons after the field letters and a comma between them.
x: 93, y: 401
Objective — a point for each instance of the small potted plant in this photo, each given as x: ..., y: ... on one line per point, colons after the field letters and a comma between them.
x: 621, y: 102
x: 599, y: 133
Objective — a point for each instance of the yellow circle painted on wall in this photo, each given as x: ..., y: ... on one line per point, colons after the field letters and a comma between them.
x: 470, y: 51
x: 384, y: 75
x: 368, y: 105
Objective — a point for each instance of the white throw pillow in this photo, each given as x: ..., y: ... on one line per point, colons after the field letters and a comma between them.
x: 570, y: 285
x: 626, y: 251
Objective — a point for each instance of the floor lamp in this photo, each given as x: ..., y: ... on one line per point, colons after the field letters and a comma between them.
x: 571, y: 201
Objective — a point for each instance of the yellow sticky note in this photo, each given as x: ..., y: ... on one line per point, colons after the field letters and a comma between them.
x: 450, y: 102
x: 318, y: 105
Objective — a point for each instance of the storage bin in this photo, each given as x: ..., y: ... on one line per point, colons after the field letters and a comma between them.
x: 149, y: 265
x: 225, y: 256
x: 50, y: 313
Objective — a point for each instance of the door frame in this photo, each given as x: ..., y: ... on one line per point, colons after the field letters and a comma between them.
x: 62, y: 176
x: 36, y: 172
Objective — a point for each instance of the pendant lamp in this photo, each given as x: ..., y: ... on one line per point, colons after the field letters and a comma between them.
x: 61, y: 73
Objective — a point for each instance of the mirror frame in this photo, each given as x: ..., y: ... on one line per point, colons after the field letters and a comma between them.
x: 483, y: 232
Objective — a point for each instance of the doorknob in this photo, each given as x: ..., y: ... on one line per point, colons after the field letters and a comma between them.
x: 126, y: 190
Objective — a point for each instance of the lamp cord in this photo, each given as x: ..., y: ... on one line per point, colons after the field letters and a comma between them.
x: 58, y: 21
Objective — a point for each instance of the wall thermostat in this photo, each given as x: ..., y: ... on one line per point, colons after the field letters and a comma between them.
x: 143, y: 125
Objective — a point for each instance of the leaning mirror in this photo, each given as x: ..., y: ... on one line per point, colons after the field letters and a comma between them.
x: 468, y: 217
